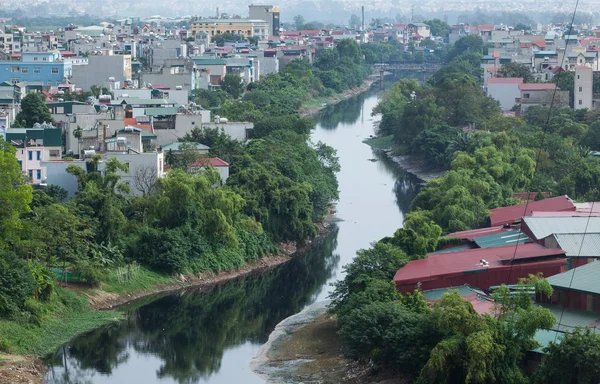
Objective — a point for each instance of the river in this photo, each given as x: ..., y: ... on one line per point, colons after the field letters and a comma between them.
x: 210, y: 336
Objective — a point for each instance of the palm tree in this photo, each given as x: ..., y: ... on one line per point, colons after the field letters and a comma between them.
x: 170, y: 158
x: 78, y: 133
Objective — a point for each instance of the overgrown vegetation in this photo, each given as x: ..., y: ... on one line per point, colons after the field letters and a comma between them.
x: 279, y: 185
x: 451, y: 124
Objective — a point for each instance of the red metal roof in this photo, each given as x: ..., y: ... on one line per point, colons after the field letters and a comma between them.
x: 529, y: 196
x: 505, y: 80
x: 204, y: 161
x: 475, y: 233
x: 536, y: 86
x: 512, y: 214
x: 436, y: 266
x: 540, y: 43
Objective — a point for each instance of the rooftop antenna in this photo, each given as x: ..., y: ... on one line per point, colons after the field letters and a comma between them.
x: 217, y: 12
x: 412, y: 14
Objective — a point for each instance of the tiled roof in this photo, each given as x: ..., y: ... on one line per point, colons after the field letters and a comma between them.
x: 505, y: 80
x: 205, y: 161
x: 536, y: 86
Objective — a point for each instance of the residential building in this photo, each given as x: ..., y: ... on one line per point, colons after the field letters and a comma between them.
x: 543, y: 95
x: 47, y: 68
x: 202, y: 163
x: 34, y: 146
x: 419, y: 31
x: 243, y: 27
x: 268, y: 13
x: 505, y: 90
x: 184, y: 76
x: 583, y: 88
x: 108, y: 70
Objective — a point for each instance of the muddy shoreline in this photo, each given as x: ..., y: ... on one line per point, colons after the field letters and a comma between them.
x: 347, y: 94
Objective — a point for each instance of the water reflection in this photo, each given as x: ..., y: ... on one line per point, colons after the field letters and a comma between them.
x: 210, y: 336
x: 190, y: 332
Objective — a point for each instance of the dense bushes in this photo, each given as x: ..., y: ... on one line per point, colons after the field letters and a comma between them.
x: 16, y: 284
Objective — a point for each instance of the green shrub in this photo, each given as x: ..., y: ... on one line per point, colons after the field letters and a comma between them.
x: 389, y: 333
x: 91, y: 272
x: 16, y: 284
x: 5, y: 346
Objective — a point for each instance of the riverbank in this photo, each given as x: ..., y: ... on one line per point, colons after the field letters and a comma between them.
x: 314, y: 106
x: 305, y: 348
x: 410, y: 163
x: 31, y: 342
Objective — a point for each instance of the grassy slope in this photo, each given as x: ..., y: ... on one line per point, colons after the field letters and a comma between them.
x: 66, y: 316
x: 383, y: 142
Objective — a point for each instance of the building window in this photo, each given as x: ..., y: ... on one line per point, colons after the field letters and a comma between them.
x: 14, y: 80
x: 49, y: 83
x: 54, y: 153
x: 35, y: 58
x: 30, y: 174
x: 54, y: 71
x: 577, y: 77
x: 38, y: 155
x: 20, y: 164
x: 526, y: 95
x: 580, y: 102
x: 30, y: 155
x: 24, y: 70
x: 37, y: 70
x: 38, y: 174
x: 44, y: 58
x: 15, y: 69
x: 580, y: 89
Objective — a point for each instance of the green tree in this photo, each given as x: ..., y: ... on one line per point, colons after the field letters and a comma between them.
x: 438, y: 27
x: 15, y: 194
x: 514, y: 69
x: 354, y: 21
x: 233, y: 85
x: 34, y: 110
x: 571, y: 359
x: 298, y: 22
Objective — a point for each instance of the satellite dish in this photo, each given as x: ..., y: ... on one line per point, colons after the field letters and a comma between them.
x: 37, y: 125
x: 103, y: 107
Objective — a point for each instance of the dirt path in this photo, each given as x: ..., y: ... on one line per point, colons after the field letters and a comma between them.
x: 20, y: 370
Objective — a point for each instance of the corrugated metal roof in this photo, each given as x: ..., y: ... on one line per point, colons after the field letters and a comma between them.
x: 571, y: 243
x: 463, y: 290
x: 512, y: 214
x: 160, y: 111
x: 500, y: 239
x: 544, y: 336
x: 542, y: 227
x: 436, y: 265
x: 583, y: 279
x: 176, y: 146
x: 453, y: 249
x: 474, y: 233
x: 573, y: 318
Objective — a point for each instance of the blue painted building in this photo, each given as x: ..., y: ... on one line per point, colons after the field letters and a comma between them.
x: 45, y: 67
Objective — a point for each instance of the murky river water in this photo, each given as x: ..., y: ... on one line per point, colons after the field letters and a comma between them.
x: 198, y: 336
